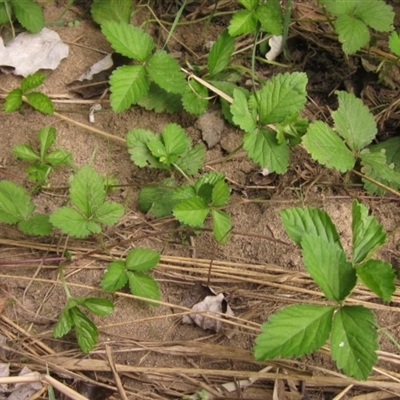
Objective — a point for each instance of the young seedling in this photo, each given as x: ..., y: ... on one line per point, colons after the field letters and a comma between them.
x: 131, y: 271
x: 28, y: 13
x: 39, y: 101
x: 355, y: 128
x: 72, y: 317
x: 16, y: 208
x: 302, y: 329
x: 44, y: 161
x: 355, y: 17
x: 89, y: 210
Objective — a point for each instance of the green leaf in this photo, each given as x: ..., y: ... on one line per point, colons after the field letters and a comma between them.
x: 263, y: 148
x: 58, y: 157
x: 36, y: 225
x: 341, y: 7
x: 3, y: 14
x: 47, y: 137
x: 38, y: 172
x: 41, y: 102
x: 294, y: 331
x: 327, y: 265
x: 25, y: 152
x: 270, y: 16
x: 166, y: 72
x: 192, y: 211
x: 15, y: 203
x: 128, y: 40
x: 282, y: 95
x: 32, y: 82
x: 109, y: 213
x: 142, y: 259
x: 87, y: 190
x: 137, y: 140
x: 220, y: 53
x: 64, y: 323
x: 249, y: 4
x: 353, y: 121
x: 114, y: 277
x: 72, y: 222
x: 144, y: 286
x: 394, y: 43
x: 85, y: 330
x: 194, y: 98
x: 376, y: 14
x: 220, y: 194
x: 353, y: 33
x: 191, y: 162
x: 210, y: 178
x: 159, y: 100
x: 29, y: 15
x: 175, y: 139
x: 111, y: 10
x: 244, y: 21
x: 368, y: 234
x: 13, y: 100
x: 241, y: 114
x: 391, y: 148
x: 312, y: 221
x: 378, y: 276
x: 354, y: 341
x: 97, y: 305
x: 128, y: 85
x: 222, y: 226
x: 327, y: 148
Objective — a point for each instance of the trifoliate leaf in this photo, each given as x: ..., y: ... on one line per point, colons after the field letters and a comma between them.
x: 128, y: 85
x: 87, y: 190
x: 41, y: 102
x: 13, y: 100
x: 270, y: 16
x: 136, y: 141
x: 220, y: 194
x: 378, y: 276
x: 368, y: 234
x: 326, y: 263
x: 64, y: 323
x: 38, y: 225
x: 222, y: 225
x: 128, y: 40
x: 29, y: 15
x: 109, y: 213
x: 193, y: 160
x: 111, y: 10
x: 263, y: 148
x: 220, y: 53
x: 353, y: 121
x: 85, y: 330
x: 192, y: 211
x: 142, y: 259
x: 243, y: 21
x: 353, y: 33
x: 15, y: 203
x: 73, y: 223
x: 166, y: 72
x: 294, y: 331
x: 32, y: 81
x: 47, y: 137
x: 354, y: 341
x: 114, y: 277
x: 327, y: 148
x: 194, y: 98
x: 312, y: 221
x: 159, y: 100
x: 394, y: 43
x: 144, y: 286
x: 376, y: 14
x: 241, y: 115
x: 25, y: 152
x: 282, y: 95
x: 97, y: 305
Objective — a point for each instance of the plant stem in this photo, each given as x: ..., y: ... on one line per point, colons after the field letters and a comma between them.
x: 377, y: 183
x: 63, y: 281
